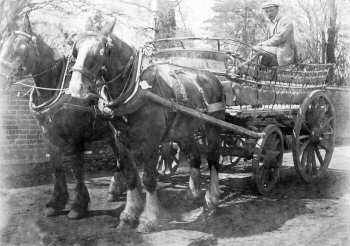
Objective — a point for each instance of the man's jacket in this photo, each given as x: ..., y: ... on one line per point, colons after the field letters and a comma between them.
x: 281, y: 36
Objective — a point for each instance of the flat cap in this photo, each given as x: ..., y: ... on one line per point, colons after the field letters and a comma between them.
x: 270, y: 3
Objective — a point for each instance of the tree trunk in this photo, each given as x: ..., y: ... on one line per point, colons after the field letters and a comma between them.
x: 331, y: 42
x: 332, y: 31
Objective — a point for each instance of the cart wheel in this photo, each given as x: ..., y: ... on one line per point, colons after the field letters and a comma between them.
x: 314, y: 136
x: 267, y: 159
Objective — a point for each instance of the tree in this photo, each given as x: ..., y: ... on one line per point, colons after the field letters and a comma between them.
x: 332, y: 31
x: 238, y: 19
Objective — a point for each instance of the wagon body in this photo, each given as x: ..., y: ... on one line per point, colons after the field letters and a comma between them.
x: 264, y: 105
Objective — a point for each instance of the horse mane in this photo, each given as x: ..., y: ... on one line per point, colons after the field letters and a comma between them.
x: 120, y: 54
x: 44, y: 48
x: 121, y: 42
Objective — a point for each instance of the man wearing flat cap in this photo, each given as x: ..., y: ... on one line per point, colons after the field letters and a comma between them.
x: 280, y: 45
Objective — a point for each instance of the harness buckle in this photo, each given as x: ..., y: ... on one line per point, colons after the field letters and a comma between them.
x: 144, y: 85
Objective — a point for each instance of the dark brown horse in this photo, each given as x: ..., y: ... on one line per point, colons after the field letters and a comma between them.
x: 148, y: 123
x: 65, y: 129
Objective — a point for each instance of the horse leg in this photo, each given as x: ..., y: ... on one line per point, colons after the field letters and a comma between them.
x: 60, y: 192
x: 134, y: 201
x: 213, y: 192
x: 153, y: 212
x: 117, y: 186
x: 195, y: 164
x: 128, y: 172
x: 81, y: 199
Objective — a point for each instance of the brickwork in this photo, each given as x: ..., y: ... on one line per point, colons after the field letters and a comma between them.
x: 21, y: 140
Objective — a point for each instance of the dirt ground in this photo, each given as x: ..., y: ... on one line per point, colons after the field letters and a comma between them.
x: 293, y: 214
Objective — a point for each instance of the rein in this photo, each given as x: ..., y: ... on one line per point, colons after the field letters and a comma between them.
x: 56, y: 97
x: 38, y: 87
x: 123, y: 72
x: 51, y: 68
x: 131, y: 83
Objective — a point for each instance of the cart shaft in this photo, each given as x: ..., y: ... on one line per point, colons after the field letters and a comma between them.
x: 199, y: 115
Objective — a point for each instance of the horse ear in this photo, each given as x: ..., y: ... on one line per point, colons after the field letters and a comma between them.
x: 108, y: 28
x: 26, y: 24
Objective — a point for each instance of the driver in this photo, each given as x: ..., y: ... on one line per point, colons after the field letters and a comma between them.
x: 280, y: 44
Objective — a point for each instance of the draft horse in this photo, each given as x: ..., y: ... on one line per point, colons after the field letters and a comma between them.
x: 65, y: 129
x: 148, y: 124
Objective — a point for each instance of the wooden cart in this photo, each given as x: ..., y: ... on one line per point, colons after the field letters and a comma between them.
x: 264, y: 106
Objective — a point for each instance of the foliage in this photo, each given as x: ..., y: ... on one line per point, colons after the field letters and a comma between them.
x: 240, y: 19
x: 52, y: 18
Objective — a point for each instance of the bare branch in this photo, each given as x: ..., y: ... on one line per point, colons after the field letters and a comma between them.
x: 138, y: 5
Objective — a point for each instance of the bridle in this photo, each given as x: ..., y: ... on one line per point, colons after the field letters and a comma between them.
x: 94, y: 76
x: 91, y: 76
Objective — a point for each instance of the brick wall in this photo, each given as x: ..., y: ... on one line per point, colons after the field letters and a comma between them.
x: 20, y: 136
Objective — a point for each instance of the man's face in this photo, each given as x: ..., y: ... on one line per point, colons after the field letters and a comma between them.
x: 271, y: 12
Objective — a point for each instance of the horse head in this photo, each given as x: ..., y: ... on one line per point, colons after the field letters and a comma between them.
x: 91, y: 52
x: 98, y: 55
x: 19, y: 54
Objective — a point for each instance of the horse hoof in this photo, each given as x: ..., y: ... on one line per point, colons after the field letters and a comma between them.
x: 50, y: 212
x: 75, y: 214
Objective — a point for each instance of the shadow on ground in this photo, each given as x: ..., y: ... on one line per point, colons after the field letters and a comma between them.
x: 241, y: 211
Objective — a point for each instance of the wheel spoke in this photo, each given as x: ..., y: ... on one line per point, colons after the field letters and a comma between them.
x: 326, y: 123
x: 276, y: 143
x: 321, y: 112
x: 330, y: 133
x: 304, y: 145
x: 319, y: 156
x: 323, y: 147
x: 271, y: 155
x: 312, y: 116
x: 302, y: 137
x: 313, y: 162
x: 304, y: 155
x: 308, y: 160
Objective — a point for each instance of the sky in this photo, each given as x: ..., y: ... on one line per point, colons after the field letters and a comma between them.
x: 196, y: 12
